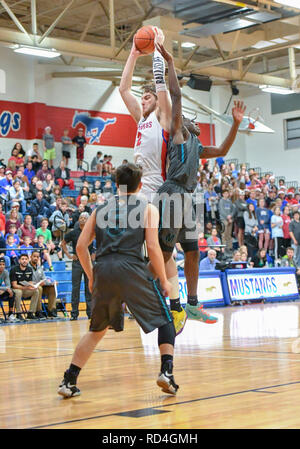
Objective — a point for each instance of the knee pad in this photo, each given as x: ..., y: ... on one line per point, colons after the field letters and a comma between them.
x: 166, y: 334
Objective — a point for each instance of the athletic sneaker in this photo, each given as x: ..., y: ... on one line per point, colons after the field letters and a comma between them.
x: 31, y: 316
x: 179, y: 320
x: 20, y: 317
x: 40, y: 316
x: 67, y: 390
x: 198, y: 313
x: 13, y: 319
x: 167, y: 383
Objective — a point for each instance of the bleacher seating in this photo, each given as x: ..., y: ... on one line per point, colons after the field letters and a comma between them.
x: 63, y: 277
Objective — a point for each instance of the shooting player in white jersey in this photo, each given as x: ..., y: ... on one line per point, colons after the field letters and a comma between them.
x: 153, y: 117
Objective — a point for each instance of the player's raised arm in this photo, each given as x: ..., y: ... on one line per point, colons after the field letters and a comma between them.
x: 158, y: 66
x: 175, y: 92
x: 238, y: 114
x: 129, y: 99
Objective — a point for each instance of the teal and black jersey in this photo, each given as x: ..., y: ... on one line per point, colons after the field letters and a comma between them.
x: 184, y: 162
x: 120, y: 226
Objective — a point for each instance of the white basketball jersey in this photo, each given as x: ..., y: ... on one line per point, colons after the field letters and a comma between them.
x: 150, y: 152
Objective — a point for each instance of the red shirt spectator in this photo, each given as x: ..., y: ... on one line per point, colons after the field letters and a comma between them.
x: 286, y: 222
x: 27, y: 230
x: 202, y: 244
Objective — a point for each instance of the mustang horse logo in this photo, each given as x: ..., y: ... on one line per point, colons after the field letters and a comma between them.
x: 94, y: 125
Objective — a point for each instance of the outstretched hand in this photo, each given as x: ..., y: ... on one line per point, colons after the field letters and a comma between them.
x: 159, y: 36
x: 165, y: 54
x: 134, y: 51
x: 238, y: 111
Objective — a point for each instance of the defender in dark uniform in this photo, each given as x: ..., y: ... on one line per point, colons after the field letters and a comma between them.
x: 120, y: 275
x: 184, y: 151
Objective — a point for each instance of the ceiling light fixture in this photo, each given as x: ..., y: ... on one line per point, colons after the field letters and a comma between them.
x: 276, y: 90
x: 292, y: 3
x: 188, y: 45
x: 36, y: 51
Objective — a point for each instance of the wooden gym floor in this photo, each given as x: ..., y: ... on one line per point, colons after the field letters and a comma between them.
x: 243, y: 372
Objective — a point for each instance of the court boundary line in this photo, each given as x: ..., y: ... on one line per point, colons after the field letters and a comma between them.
x: 163, y: 405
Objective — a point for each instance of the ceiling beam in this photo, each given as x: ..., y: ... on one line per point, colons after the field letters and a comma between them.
x: 52, y: 26
x: 15, y: 19
x: 246, y: 55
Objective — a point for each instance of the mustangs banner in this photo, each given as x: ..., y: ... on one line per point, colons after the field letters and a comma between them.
x: 28, y: 121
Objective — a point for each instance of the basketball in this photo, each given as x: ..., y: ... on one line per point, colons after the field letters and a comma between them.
x: 144, y: 40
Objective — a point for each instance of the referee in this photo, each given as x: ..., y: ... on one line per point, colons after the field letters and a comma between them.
x: 77, y: 270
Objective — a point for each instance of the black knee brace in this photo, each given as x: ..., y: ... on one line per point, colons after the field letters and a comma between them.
x: 166, y: 334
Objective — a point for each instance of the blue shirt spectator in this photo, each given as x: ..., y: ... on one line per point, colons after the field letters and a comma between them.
x: 209, y: 262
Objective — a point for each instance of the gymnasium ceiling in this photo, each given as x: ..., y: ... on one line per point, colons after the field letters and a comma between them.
x: 254, y: 43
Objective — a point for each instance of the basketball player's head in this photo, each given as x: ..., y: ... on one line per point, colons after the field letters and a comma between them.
x: 191, y: 126
x: 128, y: 178
x: 148, y: 100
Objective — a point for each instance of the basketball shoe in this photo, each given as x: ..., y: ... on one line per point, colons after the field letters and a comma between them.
x: 179, y: 320
x: 67, y: 390
x: 198, y: 313
x: 167, y: 383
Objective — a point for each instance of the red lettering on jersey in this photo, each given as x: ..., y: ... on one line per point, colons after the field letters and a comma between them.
x: 138, y: 139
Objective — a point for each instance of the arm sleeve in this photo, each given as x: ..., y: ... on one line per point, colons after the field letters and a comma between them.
x: 158, y: 65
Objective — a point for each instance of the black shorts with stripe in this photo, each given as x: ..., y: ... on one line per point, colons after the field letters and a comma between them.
x: 177, y: 219
x: 122, y: 279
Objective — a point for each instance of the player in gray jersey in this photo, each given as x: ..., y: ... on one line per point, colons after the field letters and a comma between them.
x: 120, y: 275
x: 184, y: 151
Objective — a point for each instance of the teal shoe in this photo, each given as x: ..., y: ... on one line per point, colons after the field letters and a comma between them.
x: 198, y: 313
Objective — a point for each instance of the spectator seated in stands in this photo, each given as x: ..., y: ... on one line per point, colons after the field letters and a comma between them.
x: 60, y: 220
x: 34, y: 152
x: 45, y: 256
x: 26, y: 248
x: 16, y: 194
x: 48, y: 185
x: 56, y: 193
x: 20, y: 277
x: 39, y: 208
x: 96, y: 164
x: 62, y: 176
x: 15, y: 160
x: 202, y: 245
x: 27, y: 229
x: 84, y: 191
x: 289, y: 261
x: 36, y: 163
x: 261, y: 259
x: 251, y: 228
x: 46, y: 288
x: 12, y: 248
x: 97, y: 187
x: 44, y: 171
x: 12, y: 220
x: 15, y: 207
x: 92, y: 203
x: 214, y: 241
x: 5, y: 184
x: 6, y: 293
x: 209, y: 262
x: 29, y: 172
x: 45, y: 231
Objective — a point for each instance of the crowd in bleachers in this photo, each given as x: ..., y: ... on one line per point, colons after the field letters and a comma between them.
x: 39, y: 204
x: 251, y: 218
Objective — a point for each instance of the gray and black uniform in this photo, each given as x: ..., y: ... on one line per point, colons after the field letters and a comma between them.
x: 178, y: 224
x: 120, y: 273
